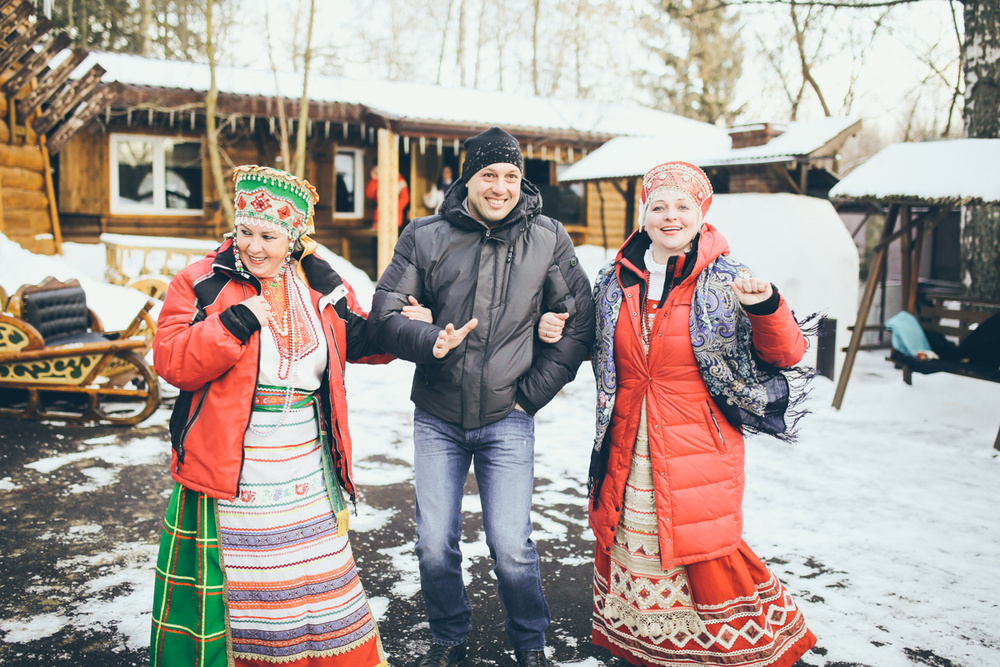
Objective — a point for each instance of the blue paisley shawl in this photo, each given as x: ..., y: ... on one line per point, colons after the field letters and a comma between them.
x: 754, y: 396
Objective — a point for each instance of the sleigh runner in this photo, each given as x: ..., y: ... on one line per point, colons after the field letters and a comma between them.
x: 57, y: 362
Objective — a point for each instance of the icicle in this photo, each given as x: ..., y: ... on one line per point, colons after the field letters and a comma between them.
x: 456, y: 147
x: 128, y: 116
x: 171, y: 118
x: 440, y: 144
x: 326, y: 130
x: 253, y: 122
x: 423, y: 145
x: 343, y: 126
x: 150, y: 121
x: 271, y: 124
x: 530, y: 149
x: 558, y: 154
x: 192, y: 119
x: 544, y: 152
x: 406, y: 145
x: 569, y: 154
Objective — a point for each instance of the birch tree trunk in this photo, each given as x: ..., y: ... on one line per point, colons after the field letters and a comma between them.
x: 981, y: 224
x: 214, y: 156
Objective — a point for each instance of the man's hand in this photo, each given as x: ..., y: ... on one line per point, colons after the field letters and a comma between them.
x: 450, y: 337
x: 550, y: 327
x: 417, y: 312
x: 751, y: 290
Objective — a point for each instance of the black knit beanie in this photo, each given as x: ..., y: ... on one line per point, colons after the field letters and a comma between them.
x: 492, y: 146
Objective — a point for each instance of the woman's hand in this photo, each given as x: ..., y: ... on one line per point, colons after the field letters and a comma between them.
x: 417, y: 312
x: 550, y: 327
x: 751, y: 290
x: 450, y: 337
x: 259, y: 306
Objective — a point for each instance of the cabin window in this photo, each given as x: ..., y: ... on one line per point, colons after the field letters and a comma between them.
x: 350, y: 200
x: 155, y: 175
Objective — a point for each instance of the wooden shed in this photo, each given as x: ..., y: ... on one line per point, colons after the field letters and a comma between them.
x: 917, y: 186
x: 141, y: 166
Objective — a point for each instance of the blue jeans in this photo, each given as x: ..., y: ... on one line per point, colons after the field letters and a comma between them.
x: 503, y: 454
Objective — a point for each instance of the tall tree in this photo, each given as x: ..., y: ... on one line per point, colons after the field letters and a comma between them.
x: 172, y: 29
x: 214, y: 153
x: 303, y: 129
x: 981, y: 224
x: 698, y: 58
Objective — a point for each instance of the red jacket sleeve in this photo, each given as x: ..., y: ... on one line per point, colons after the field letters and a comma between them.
x: 190, y: 354
x: 777, y: 337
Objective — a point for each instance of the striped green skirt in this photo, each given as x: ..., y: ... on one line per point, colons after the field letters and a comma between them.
x: 267, y: 577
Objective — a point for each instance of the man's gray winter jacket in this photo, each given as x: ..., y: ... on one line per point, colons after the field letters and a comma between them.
x: 506, y: 276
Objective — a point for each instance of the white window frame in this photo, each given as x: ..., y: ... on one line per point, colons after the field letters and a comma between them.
x: 359, y: 182
x: 159, y: 206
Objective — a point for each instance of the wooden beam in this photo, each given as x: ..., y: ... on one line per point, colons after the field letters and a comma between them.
x: 630, y: 207
x: 388, y: 200
x: 51, y: 194
x: 90, y: 108
x: 38, y: 61
x: 918, y: 248
x: 50, y: 82
x: 932, y: 216
x: 14, y: 20
x: 905, y: 256
x: 66, y: 102
x: 864, y: 308
x: 3, y: 228
x: 24, y: 43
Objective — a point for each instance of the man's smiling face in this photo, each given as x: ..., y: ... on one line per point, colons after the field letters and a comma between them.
x: 494, y: 191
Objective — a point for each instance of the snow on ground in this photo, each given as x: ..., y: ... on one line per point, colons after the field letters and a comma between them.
x: 881, y: 519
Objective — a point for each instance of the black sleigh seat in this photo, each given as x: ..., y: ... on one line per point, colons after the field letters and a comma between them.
x: 61, y: 316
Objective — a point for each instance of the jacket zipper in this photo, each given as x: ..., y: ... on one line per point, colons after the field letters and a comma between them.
x: 336, y: 347
x: 506, y: 272
x: 253, y: 398
x: 335, y: 436
x: 187, y: 427
x: 718, y: 429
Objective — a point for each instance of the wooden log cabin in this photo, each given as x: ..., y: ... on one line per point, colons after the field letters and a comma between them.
x: 40, y: 108
x: 141, y: 166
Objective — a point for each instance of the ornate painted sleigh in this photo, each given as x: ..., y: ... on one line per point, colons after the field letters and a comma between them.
x: 57, y: 362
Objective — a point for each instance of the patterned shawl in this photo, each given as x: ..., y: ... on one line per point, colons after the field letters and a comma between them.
x: 754, y: 396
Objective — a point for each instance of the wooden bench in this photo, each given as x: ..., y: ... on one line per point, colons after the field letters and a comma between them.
x: 954, y: 318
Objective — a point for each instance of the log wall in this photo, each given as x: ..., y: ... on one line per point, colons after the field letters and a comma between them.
x: 614, y: 214
x: 25, y: 201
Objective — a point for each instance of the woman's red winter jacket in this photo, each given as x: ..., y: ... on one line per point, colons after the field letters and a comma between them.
x: 697, y: 456
x: 199, y: 350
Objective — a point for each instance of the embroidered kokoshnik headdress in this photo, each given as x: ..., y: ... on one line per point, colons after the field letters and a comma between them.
x: 276, y: 200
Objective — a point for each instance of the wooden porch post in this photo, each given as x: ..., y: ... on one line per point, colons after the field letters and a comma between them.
x: 388, y: 197
x: 865, y: 307
x: 630, y: 207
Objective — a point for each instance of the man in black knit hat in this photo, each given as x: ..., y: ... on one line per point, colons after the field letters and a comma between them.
x: 491, y: 262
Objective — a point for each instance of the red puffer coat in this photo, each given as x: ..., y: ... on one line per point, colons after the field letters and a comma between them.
x: 212, y: 357
x: 697, y: 456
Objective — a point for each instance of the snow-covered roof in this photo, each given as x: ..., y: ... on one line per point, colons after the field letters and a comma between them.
x: 627, y: 157
x: 415, y: 102
x: 962, y: 170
